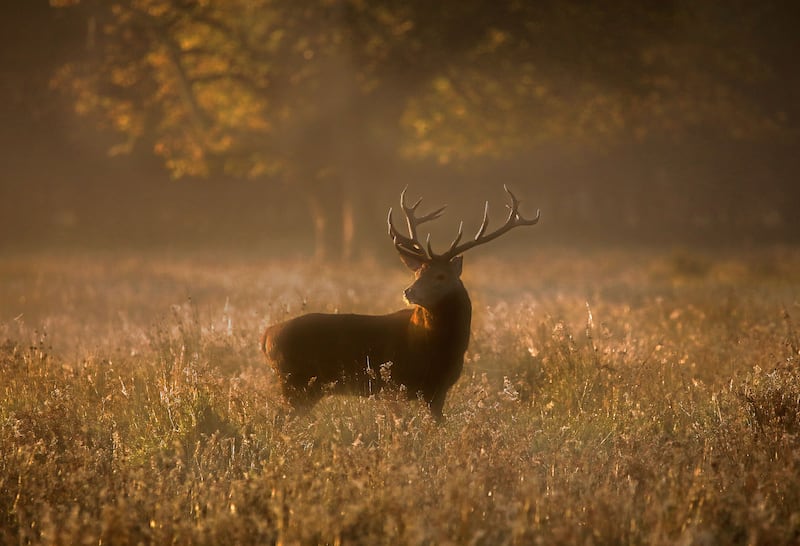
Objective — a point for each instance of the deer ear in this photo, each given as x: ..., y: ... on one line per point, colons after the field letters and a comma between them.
x: 414, y: 263
x: 456, y: 264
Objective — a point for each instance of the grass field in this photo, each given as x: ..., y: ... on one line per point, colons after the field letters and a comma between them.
x: 613, y: 397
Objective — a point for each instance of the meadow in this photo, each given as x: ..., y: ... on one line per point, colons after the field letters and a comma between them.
x: 609, y: 397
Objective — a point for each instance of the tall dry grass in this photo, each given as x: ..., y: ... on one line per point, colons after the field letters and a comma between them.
x: 611, y: 398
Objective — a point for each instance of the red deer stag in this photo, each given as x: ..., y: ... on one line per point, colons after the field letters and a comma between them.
x: 420, y: 349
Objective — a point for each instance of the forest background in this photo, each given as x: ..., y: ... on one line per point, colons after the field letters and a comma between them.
x: 287, y: 128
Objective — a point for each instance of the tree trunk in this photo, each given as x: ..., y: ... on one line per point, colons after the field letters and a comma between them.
x: 348, y: 228
x: 319, y: 218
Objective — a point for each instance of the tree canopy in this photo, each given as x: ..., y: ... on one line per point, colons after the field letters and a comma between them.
x: 260, y: 87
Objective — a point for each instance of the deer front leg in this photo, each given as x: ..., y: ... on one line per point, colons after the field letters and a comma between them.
x: 437, y: 404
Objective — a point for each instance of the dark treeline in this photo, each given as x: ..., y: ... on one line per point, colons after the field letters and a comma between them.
x: 295, y: 125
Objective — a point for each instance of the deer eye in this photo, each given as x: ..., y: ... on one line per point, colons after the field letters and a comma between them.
x: 440, y: 277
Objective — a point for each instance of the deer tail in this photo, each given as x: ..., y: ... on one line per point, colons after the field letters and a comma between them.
x: 262, y: 343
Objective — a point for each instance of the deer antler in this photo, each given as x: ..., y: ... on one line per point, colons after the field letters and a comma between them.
x: 410, y: 245
x: 514, y: 219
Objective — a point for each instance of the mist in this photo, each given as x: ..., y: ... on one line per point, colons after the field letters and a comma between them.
x: 610, y: 158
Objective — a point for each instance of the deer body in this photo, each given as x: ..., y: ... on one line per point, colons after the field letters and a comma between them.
x: 420, y: 349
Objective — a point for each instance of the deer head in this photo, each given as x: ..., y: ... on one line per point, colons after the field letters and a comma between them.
x: 438, y: 275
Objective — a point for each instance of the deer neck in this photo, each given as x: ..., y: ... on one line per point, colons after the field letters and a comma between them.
x: 447, y: 323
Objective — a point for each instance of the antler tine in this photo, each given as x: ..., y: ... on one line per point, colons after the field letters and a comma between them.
x: 484, y: 223
x: 411, y: 243
x: 452, y: 245
x: 393, y: 233
x: 399, y: 239
x: 412, y: 221
x: 514, y: 219
x: 514, y: 213
x: 403, y: 201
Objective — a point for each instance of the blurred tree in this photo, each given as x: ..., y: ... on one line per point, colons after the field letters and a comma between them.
x: 591, y: 73
x: 322, y: 93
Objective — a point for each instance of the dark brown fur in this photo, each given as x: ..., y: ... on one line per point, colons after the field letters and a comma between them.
x: 318, y: 353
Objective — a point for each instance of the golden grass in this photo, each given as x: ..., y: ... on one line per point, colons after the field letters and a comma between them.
x: 610, y: 398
